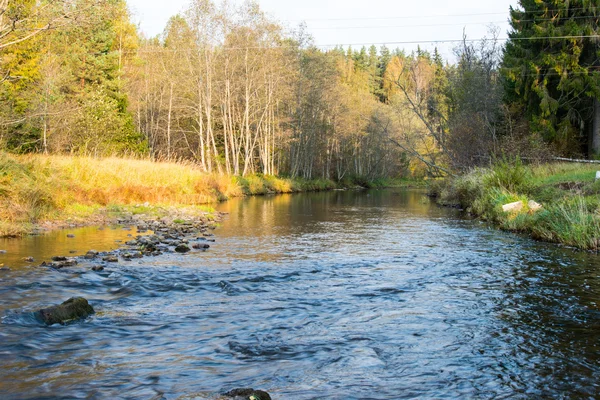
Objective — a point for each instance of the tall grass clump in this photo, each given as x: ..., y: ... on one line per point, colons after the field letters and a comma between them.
x: 567, y: 192
x: 569, y: 222
x: 26, y: 195
x: 510, y: 175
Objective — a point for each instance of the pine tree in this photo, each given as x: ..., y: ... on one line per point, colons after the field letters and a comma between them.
x: 551, y: 65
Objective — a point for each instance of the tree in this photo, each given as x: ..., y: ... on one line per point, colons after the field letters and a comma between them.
x: 64, y: 90
x: 551, y: 66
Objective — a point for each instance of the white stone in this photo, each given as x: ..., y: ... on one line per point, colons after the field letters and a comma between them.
x: 598, y: 175
x: 533, y: 206
x: 513, y: 207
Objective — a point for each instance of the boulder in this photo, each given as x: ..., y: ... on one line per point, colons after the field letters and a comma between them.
x: 533, y: 206
x: 74, y: 309
x: 246, y: 394
x: 513, y: 207
x: 182, y: 248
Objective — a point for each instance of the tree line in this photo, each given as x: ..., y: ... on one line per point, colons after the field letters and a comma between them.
x: 233, y: 91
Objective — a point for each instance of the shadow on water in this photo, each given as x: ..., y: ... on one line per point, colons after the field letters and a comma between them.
x: 339, y: 295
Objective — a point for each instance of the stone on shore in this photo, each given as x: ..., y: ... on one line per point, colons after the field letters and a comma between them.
x: 513, y: 207
x: 247, y: 394
x: 74, y: 309
x: 534, y: 206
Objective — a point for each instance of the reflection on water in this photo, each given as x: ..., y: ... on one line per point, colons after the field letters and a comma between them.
x: 64, y: 242
x: 341, y: 295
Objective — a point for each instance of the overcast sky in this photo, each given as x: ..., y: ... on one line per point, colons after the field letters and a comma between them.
x: 398, y: 23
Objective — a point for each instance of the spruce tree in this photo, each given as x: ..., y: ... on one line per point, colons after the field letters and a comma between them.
x: 552, y: 71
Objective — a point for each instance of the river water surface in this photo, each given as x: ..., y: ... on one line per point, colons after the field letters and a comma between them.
x: 340, y: 295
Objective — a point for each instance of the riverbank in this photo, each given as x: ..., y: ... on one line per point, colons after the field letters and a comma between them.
x: 39, y: 192
x: 568, y: 193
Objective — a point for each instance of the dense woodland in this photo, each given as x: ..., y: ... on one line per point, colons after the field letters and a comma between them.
x: 237, y: 93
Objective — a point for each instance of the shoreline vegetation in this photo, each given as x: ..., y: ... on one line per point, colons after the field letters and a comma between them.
x: 568, y: 193
x: 42, y: 192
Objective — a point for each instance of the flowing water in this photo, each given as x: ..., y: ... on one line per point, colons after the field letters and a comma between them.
x: 341, y: 295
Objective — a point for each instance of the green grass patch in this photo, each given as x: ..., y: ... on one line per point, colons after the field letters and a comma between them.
x: 567, y: 192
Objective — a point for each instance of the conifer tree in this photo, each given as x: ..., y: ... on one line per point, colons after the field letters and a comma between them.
x: 551, y: 65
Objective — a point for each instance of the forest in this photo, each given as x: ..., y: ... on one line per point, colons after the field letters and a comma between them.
x: 237, y: 93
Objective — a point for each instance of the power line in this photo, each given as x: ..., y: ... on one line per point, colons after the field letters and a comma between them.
x: 276, y: 46
x: 435, y: 15
x: 378, y: 43
x: 406, y: 26
x: 464, y: 40
x: 454, y: 24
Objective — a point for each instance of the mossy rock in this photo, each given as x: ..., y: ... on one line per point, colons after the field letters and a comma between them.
x: 247, y: 394
x: 74, y: 309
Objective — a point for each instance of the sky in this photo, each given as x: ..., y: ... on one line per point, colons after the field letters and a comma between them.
x: 397, y: 23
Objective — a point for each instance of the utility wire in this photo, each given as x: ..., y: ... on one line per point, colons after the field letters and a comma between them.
x: 274, y: 47
x: 455, y: 24
x: 436, y: 16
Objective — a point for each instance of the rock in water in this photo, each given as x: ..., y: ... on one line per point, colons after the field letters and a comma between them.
x: 247, y: 394
x: 182, y: 248
x: 73, y: 309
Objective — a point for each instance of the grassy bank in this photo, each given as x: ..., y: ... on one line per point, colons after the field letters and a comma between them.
x: 568, y: 193
x: 38, y: 188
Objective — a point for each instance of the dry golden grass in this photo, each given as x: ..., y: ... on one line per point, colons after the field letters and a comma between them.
x: 34, y: 188
x: 37, y: 187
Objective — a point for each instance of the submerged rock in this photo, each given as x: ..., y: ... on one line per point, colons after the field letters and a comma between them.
x: 98, y: 268
x: 29, y: 259
x: 111, y: 259
x: 73, y: 309
x: 61, y: 263
x: 247, y: 394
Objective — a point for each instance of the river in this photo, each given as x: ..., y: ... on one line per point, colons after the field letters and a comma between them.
x: 338, y: 295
